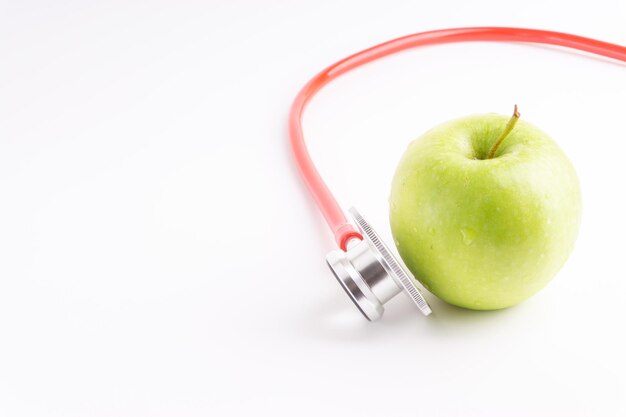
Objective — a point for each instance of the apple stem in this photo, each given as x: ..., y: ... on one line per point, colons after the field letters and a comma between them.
x: 507, y: 129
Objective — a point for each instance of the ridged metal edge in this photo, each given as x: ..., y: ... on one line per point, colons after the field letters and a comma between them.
x: 390, y: 261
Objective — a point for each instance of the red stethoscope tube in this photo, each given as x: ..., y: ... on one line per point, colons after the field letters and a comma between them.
x: 326, y: 202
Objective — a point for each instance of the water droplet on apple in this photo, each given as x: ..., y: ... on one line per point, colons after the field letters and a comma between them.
x: 468, y: 235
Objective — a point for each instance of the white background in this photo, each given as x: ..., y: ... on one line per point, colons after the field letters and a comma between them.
x: 159, y: 256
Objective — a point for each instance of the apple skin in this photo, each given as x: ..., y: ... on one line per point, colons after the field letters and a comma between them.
x: 484, y: 234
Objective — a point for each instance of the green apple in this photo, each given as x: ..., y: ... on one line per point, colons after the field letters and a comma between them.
x: 485, y: 210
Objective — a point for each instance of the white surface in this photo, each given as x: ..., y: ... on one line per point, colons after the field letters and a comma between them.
x: 158, y: 256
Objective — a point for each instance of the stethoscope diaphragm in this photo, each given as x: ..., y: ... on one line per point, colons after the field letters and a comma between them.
x: 370, y: 274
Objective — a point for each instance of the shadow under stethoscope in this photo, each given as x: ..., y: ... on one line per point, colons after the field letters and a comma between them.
x: 341, y: 321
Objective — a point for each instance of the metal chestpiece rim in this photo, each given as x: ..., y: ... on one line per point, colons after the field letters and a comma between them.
x: 370, y: 274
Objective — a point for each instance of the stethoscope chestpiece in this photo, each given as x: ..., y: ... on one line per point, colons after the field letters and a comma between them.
x: 370, y: 274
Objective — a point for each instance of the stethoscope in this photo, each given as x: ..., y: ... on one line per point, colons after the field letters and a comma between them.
x: 366, y: 269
